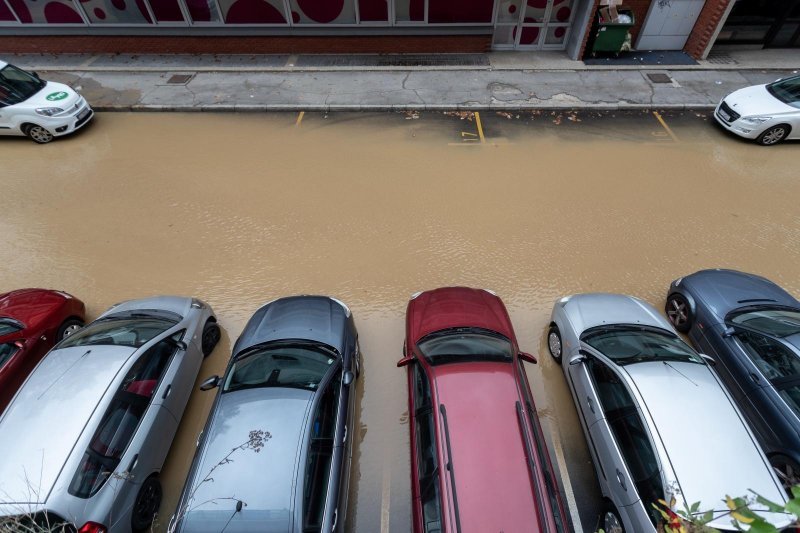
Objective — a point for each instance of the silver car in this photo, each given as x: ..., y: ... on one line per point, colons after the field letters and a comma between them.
x: 86, y: 435
x: 657, y: 420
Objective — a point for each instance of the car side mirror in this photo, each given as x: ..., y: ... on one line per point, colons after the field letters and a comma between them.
x: 348, y: 378
x: 729, y: 332
x: 708, y: 359
x: 528, y: 357
x: 181, y: 345
x: 210, y: 383
x: 36, y: 75
x: 577, y: 359
x: 405, y: 361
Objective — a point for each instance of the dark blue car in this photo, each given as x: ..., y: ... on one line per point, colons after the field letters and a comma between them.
x: 275, y: 453
x: 751, y: 327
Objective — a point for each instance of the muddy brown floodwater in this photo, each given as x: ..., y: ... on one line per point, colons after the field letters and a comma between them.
x: 240, y: 209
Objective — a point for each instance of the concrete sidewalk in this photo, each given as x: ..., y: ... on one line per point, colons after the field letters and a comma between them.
x: 541, y: 80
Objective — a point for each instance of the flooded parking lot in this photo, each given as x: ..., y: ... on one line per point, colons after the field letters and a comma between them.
x: 369, y: 208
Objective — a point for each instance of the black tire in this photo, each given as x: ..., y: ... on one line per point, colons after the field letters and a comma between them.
x: 211, y: 336
x: 774, y: 135
x: 38, y: 134
x: 679, y: 312
x: 554, y: 345
x: 787, y: 470
x: 610, y: 520
x: 67, y: 328
x: 147, y: 503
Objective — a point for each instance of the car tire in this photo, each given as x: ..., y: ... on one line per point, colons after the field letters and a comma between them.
x: 679, y: 312
x: 68, y: 327
x: 211, y: 336
x: 38, y: 134
x: 610, y: 520
x: 554, y: 345
x: 147, y: 503
x: 787, y: 470
x: 774, y: 135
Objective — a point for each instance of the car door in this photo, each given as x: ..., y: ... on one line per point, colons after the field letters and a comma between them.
x: 347, y: 407
x: 427, y: 491
x: 176, y: 387
x: 733, y: 366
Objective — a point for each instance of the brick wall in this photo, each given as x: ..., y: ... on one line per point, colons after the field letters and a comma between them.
x: 639, y: 8
x: 707, y: 22
x: 99, y: 44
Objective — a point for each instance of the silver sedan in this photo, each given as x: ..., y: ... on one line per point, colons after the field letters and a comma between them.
x: 85, y: 437
x: 657, y: 420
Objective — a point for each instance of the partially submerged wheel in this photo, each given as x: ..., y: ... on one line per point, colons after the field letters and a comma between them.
x: 211, y: 336
x: 68, y: 327
x: 38, y: 134
x: 773, y: 135
x: 788, y: 472
x: 147, y: 503
x: 610, y: 520
x: 679, y: 312
x: 554, y: 343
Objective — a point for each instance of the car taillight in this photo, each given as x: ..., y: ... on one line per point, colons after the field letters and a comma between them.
x: 20, y: 343
x: 92, y: 527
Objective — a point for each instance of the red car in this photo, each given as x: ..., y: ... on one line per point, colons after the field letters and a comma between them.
x: 479, y: 462
x: 31, y: 322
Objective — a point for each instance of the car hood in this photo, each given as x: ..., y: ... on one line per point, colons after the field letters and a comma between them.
x: 756, y: 100
x: 586, y: 311
x: 47, y: 417
x: 711, y: 452
x: 53, y: 90
x: 263, y: 481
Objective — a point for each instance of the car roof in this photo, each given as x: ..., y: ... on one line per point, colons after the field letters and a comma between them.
x: 710, y: 450
x: 453, y: 307
x: 58, y: 399
x: 493, y: 485
x: 264, y: 480
x: 590, y: 310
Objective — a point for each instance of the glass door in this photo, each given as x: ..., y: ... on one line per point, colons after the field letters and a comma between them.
x: 533, y: 24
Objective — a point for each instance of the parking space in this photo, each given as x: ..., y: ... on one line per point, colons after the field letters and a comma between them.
x: 238, y: 209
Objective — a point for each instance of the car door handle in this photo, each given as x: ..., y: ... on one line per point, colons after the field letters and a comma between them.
x: 755, y: 377
x: 344, y: 439
x: 133, y: 464
x: 335, y: 518
x: 591, y: 403
x: 621, y: 479
x: 166, y: 392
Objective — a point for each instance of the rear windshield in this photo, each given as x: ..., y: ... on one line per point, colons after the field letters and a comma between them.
x: 786, y: 90
x: 300, y: 366
x: 16, y: 85
x: 779, y: 322
x: 119, y: 331
x: 465, y: 344
x: 628, y: 345
x: 8, y: 326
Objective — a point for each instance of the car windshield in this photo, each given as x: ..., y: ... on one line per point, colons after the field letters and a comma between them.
x: 626, y: 345
x: 786, y: 90
x: 124, y: 330
x: 7, y: 350
x: 459, y: 345
x: 780, y: 322
x: 299, y: 366
x: 16, y: 85
x: 8, y: 326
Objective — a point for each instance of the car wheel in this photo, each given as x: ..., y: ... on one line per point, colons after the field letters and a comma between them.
x: 679, y: 312
x: 68, y: 327
x: 147, y: 503
x: 211, y: 336
x: 788, y: 472
x: 773, y: 135
x: 38, y: 134
x: 610, y: 520
x: 554, y: 343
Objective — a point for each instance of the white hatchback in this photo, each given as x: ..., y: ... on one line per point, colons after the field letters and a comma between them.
x: 767, y: 113
x: 39, y: 109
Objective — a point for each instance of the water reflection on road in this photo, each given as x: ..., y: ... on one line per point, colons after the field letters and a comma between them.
x: 240, y: 209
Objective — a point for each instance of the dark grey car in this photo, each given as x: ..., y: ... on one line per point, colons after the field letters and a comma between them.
x: 751, y: 327
x: 275, y: 453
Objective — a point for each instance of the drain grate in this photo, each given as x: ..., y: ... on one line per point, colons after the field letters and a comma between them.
x: 659, y: 78
x: 720, y: 58
x: 180, y: 79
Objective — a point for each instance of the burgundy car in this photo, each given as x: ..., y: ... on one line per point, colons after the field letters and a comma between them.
x: 479, y: 462
x: 31, y: 322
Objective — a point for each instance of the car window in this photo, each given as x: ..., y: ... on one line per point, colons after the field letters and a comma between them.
x: 427, y: 460
x: 297, y: 365
x: 8, y: 326
x: 628, y: 345
x: 778, y: 322
x: 465, y: 344
x: 771, y: 357
x: 16, y: 85
x: 629, y: 432
x: 121, y: 419
x: 118, y: 331
x: 320, y: 452
x: 786, y: 90
x: 7, y: 351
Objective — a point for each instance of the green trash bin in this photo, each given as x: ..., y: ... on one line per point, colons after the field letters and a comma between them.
x: 611, y: 36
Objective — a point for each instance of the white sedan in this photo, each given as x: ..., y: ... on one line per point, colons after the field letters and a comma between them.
x: 767, y: 113
x: 39, y: 109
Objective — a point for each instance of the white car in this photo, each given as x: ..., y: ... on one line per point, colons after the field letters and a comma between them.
x: 39, y: 109
x: 767, y: 113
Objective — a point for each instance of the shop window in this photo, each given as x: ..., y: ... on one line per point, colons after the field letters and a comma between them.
x: 202, y: 10
x: 45, y: 12
x: 409, y: 10
x: 253, y: 11
x: 166, y: 10
x: 460, y: 11
x: 6, y: 15
x: 323, y: 12
x: 117, y: 11
x: 508, y: 11
x: 373, y: 10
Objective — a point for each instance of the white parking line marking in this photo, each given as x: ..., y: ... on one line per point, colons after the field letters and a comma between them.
x: 572, y: 505
x: 386, y: 492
